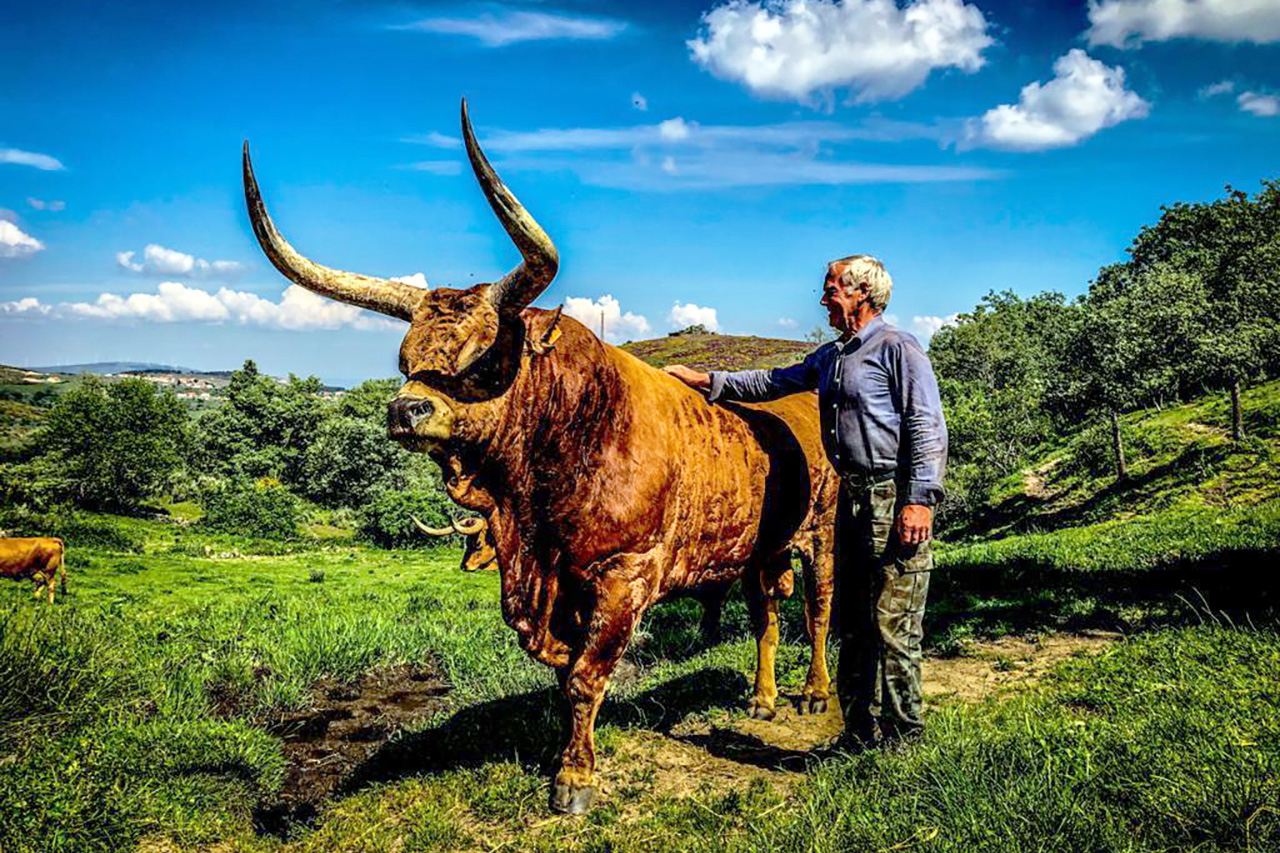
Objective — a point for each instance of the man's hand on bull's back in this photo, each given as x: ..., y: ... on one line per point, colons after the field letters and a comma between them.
x: 914, y: 524
x: 692, y: 378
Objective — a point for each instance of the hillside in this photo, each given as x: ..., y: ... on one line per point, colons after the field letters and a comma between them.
x: 720, y: 352
x: 1193, y: 497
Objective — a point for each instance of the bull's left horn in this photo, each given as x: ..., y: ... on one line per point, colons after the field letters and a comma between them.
x: 431, y: 531
x: 523, y: 284
x: 470, y: 526
x: 393, y: 298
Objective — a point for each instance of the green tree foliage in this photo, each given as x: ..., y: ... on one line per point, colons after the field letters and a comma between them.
x: 263, y: 429
x: 113, y: 445
x: 388, y: 519
x: 263, y: 508
x: 995, y: 365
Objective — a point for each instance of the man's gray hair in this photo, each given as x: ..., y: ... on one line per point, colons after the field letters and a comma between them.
x: 864, y: 269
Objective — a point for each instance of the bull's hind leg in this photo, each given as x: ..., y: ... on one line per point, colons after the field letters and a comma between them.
x: 818, y: 588
x: 621, y: 600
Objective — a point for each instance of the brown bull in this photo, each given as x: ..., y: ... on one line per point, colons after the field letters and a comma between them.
x: 40, y: 558
x: 478, y: 554
x: 607, y: 485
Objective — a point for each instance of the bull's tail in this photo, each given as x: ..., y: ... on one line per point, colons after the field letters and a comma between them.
x: 62, y: 567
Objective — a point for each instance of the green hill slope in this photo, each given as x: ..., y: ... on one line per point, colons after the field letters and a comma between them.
x: 720, y: 352
x: 1193, y: 497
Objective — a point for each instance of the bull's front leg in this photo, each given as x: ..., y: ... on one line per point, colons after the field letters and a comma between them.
x: 619, y: 603
x: 763, y: 610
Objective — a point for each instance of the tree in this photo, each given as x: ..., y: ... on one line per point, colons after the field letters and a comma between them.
x: 263, y: 429
x: 113, y: 445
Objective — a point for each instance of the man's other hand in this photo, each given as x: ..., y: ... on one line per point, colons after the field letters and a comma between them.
x: 692, y: 378
x: 914, y: 524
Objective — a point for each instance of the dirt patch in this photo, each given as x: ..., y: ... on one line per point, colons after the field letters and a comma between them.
x: 347, y: 723
x: 720, y: 753
x: 993, y: 665
x: 1033, y: 481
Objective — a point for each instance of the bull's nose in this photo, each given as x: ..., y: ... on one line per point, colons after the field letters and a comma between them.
x: 405, y: 413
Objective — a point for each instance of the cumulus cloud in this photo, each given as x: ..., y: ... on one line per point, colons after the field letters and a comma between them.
x: 159, y: 261
x: 15, y: 243
x: 787, y: 322
x: 877, y: 51
x: 40, y: 204
x: 1084, y: 97
x: 1259, y: 104
x: 509, y: 27
x: 29, y: 305
x: 617, y: 325
x: 174, y: 302
x: 416, y: 279
x: 1129, y: 23
x: 639, y: 101
x: 30, y: 158
x: 683, y: 316
x: 925, y: 327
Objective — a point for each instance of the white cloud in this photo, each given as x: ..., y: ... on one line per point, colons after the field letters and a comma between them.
x: 683, y: 316
x: 1222, y: 87
x: 617, y: 325
x: 417, y: 280
x: 159, y: 261
x: 1259, y: 104
x: 1084, y: 97
x: 30, y: 158
x: 673, y: 129
x: 39, y: 204
x: 174, y: 302
x: 669, y: 165
x: 510, y: 27
x: 640, y: 102
x: 927, y: 326
x: 29, y: 305
x: 787, y: 322
x: 15, y: 243
x: 878, y: 51
x: 1129, y: 23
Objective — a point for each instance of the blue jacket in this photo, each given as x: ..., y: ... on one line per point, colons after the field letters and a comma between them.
x: 878, y: 398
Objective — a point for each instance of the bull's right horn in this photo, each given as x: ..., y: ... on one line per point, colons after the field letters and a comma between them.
x: 393, y: 298
x: 431, y: 531
x: 470, y: 526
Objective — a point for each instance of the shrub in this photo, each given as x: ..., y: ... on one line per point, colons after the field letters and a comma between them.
x: 75, y: 530
x: 263, y: 508
x: 388, y: 520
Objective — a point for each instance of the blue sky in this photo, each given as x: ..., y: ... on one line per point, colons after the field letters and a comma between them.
x: 694, y: 161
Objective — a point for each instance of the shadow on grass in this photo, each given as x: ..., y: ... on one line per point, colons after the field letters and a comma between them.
x: 530, y: 728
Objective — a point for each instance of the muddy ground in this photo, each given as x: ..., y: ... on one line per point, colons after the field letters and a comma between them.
x: 348, y: 723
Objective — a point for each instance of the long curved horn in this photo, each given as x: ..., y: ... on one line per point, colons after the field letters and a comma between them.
x: 470, y: 526
x: 523, y: 284
x: 431, y: 531
x: 377, y: 294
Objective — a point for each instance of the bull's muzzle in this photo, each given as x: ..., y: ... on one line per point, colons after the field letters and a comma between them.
x: 404, y: 414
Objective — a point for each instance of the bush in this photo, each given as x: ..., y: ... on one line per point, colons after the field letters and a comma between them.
x: 388, y: 520
x: 263, y: 508
x: 75, y: 530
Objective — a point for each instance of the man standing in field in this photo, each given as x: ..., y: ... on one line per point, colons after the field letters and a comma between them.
x: 883, y: 430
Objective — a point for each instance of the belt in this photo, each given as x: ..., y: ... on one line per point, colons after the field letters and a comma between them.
x: 859, y: 480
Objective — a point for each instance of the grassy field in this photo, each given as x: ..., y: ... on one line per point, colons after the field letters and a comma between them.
x: 720, y: 352
x: 1102, y: 674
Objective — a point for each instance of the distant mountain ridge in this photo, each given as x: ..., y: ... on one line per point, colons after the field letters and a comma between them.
x: 105, y: 367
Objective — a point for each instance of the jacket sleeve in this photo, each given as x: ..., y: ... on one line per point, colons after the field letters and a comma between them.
x: 756, y: 386
x: 924, y: 427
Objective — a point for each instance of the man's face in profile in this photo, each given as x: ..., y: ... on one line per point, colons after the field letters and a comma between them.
x: 841, y: 302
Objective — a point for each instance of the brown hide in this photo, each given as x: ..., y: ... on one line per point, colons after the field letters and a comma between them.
x: 38, y: 558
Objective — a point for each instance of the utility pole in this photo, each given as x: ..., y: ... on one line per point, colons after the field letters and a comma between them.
x: 602, y: 324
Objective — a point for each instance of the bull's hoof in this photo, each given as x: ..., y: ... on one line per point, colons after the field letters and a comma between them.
x: 813, y: 705
x: 760, y: 710
x: 573, y: 799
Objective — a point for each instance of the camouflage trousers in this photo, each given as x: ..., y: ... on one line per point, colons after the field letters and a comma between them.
x: 881, y: 586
